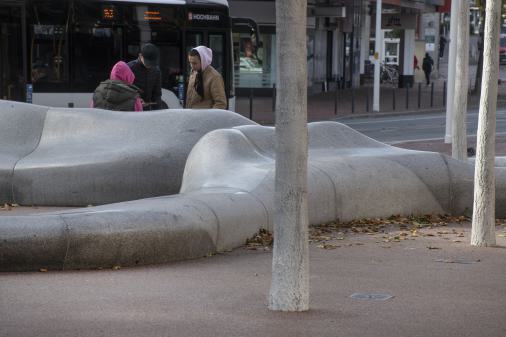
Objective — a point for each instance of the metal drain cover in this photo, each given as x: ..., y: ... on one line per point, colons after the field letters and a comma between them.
x: 458, y: 260
x: 371, y: 296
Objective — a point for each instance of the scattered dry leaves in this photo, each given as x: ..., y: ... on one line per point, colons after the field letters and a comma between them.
x: 410, y: 228
x: 261, y: 240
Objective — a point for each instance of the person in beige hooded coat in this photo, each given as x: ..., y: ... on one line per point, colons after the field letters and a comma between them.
x: 206, y: 89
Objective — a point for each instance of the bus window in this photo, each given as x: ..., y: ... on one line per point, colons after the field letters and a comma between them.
x: 97, y: 43
x: 193, y: 40
x: 168, y: 42
x: 48, y: 47
x: 95, y: 51
x: 170, y: 66
x: 12, y: 84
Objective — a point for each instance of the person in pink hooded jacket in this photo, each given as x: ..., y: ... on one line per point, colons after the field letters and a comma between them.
x: 206, y: 89
x: 118, y: 92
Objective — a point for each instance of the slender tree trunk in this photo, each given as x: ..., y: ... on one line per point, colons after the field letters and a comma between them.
x: 290, y: 263
x: 451, y: 69
x: 459, y: 136
x: 483, y: 228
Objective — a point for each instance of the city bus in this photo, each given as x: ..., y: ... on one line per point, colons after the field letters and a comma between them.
x: 56, y: 52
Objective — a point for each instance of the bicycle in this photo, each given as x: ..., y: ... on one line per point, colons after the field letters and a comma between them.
x: 389, y: 73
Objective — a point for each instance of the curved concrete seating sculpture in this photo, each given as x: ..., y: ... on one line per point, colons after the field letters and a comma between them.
x: 78, y: 157
x: 227, y: 194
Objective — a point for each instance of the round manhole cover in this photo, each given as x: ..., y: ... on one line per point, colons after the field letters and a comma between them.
x: 371, y: 296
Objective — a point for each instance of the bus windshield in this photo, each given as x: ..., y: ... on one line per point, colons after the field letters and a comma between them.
x: 72, y: 45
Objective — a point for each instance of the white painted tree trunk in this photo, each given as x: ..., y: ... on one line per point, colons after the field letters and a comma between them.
x: 451, y: 69
x: 459, y: 134
x: 378, y: 52
x: 290, y: 263
x: 483, y: 228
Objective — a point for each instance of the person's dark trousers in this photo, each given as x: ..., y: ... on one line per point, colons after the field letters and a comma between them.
x: 427, y: 77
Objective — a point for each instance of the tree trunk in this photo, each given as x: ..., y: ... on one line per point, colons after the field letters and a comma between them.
x: 290, y: 263
x: 450, y: 93
x: 483, y: 228
x: 459, y: 136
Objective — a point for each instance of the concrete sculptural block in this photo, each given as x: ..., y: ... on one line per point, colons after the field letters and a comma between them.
x: 227, y: 194
x: 80, y: 157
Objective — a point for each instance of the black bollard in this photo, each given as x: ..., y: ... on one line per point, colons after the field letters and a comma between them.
x: 335, y: 97
x: 444, y: 93
x: 273, y: 97
x: 352, y: 100
x: 432, y: 94
x: 366, y: 101
x: 419, y: 94
x: 393, y: 99
x: 251, y: 103
x: 407, y: 97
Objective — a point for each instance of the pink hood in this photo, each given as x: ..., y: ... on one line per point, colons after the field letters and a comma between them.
x: 206, y: 56
x: 121, y: 71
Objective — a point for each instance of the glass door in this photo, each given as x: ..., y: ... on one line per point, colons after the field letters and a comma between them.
x: 217, y: 44
x: 12, y: 52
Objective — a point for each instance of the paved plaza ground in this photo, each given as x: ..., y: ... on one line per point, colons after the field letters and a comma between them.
x: 441, y: 286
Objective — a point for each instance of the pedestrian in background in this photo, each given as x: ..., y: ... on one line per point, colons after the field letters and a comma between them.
x: 442, y: 44
x: 118, y: 92
x: 427, y: 65
x: 206, y: 89
x: 148, y: 76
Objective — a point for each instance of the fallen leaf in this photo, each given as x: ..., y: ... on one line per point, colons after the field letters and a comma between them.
x: 327, y: 246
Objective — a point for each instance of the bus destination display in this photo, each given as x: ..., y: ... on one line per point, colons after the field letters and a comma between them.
x: 108, y: 13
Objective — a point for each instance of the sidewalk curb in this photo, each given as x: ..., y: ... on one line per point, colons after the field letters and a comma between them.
x: 408, y: 112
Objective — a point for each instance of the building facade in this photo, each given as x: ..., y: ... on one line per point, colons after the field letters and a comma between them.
x: 340, y: 40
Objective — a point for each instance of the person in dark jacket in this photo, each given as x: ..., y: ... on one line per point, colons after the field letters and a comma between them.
x: 442, y: 44
x: 118, y: 92
x: 427, y: 65
x: 148, y: 76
